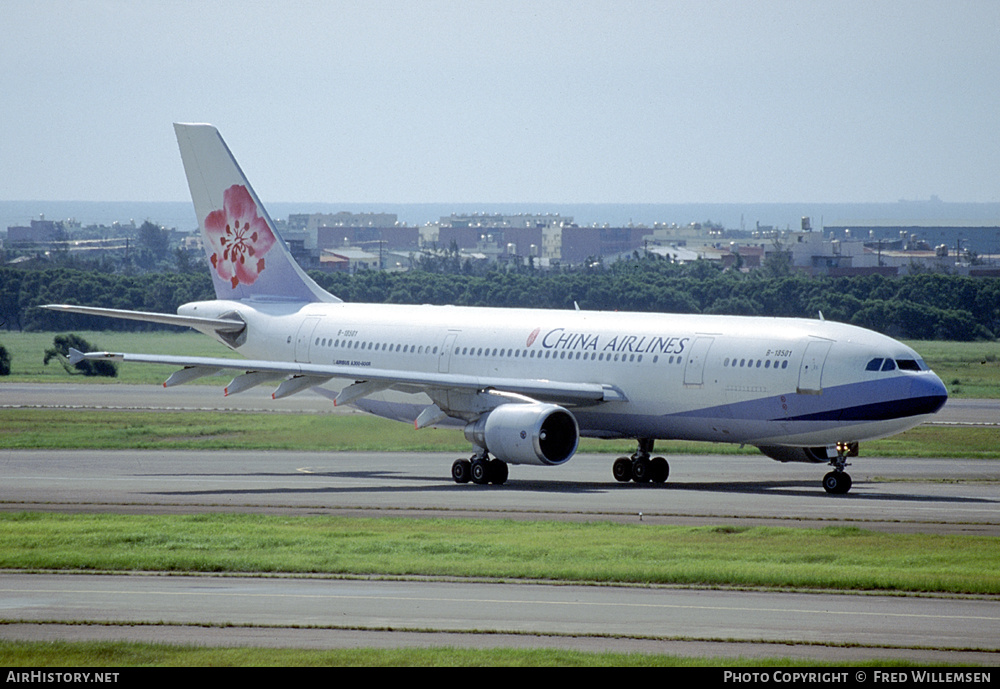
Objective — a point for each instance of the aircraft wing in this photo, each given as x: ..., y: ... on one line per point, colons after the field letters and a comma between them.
x: 301, y: 376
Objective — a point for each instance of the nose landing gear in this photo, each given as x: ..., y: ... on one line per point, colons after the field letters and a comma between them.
x: 838, y: 481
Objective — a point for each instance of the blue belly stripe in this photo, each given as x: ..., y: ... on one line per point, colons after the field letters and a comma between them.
x: 878, y: 411
x: 876, y: 400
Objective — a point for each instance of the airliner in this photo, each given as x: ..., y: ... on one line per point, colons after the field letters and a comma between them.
x: 527, y: 384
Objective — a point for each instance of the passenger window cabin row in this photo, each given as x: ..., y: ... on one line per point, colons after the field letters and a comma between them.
x: 511, y: 353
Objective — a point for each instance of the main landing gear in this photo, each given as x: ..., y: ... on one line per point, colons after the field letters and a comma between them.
x: 640, y: 467
x: 838, y: 481
x: 480, y: 469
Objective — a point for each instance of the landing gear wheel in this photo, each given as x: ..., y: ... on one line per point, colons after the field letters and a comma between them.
x: 837, y: 482
x: 622, y: 469
x: 461, y: 470
x: 641, y: 470
x: 498, y: 472
x: 659, y: 470
x: 480, y: 472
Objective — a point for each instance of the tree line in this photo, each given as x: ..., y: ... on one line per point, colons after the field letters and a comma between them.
x: 918, y: 306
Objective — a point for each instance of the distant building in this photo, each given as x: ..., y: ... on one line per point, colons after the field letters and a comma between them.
x: 580, y: 243
x: 310, y: 221
x: 372, y: 239
x: 349, y: 260
x: 515, y: 220
x: 353, y: 241
x: 342, y: 224
x: 977, y: 236
x: 39, y: 232
x: 519, y: 241
x: 747, y: 257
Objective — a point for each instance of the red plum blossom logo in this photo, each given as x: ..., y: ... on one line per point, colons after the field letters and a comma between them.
x: 239, y: 237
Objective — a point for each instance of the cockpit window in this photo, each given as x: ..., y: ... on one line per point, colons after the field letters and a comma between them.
x: 880, y: 364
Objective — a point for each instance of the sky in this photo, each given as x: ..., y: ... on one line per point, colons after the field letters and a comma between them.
x: 582, y: 101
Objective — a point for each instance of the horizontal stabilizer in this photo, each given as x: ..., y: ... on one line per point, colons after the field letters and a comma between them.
x: 217, y: 324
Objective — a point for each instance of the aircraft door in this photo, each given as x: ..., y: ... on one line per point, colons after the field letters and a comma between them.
x: 444, y: 358
x: 304, y: 338
x: 694, y: 365
x: 811, y: 369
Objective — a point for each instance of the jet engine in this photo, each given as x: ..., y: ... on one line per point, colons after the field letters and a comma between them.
x: 536, y: 433
x: 787, y: 453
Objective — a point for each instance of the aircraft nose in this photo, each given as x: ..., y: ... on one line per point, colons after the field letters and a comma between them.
x: 930, y: 391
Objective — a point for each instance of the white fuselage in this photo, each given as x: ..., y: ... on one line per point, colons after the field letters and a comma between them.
x: 762, y: 381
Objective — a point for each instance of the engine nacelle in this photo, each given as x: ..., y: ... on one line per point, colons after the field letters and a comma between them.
x: 787, y: 453
x: 540, y: 434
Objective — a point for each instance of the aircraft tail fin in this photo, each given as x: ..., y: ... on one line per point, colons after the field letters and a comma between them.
x: 247, y: 257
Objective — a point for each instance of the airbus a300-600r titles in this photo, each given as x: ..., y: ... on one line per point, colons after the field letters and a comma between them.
x: 526, y: 384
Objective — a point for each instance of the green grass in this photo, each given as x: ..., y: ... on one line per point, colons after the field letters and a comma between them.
x: 972, y: 442
x: 110, y: 654
x: 150, y: 430
x: 837, y: 558
x: 27, y: 350
x: 970, y: 370
x: 122, y: 430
